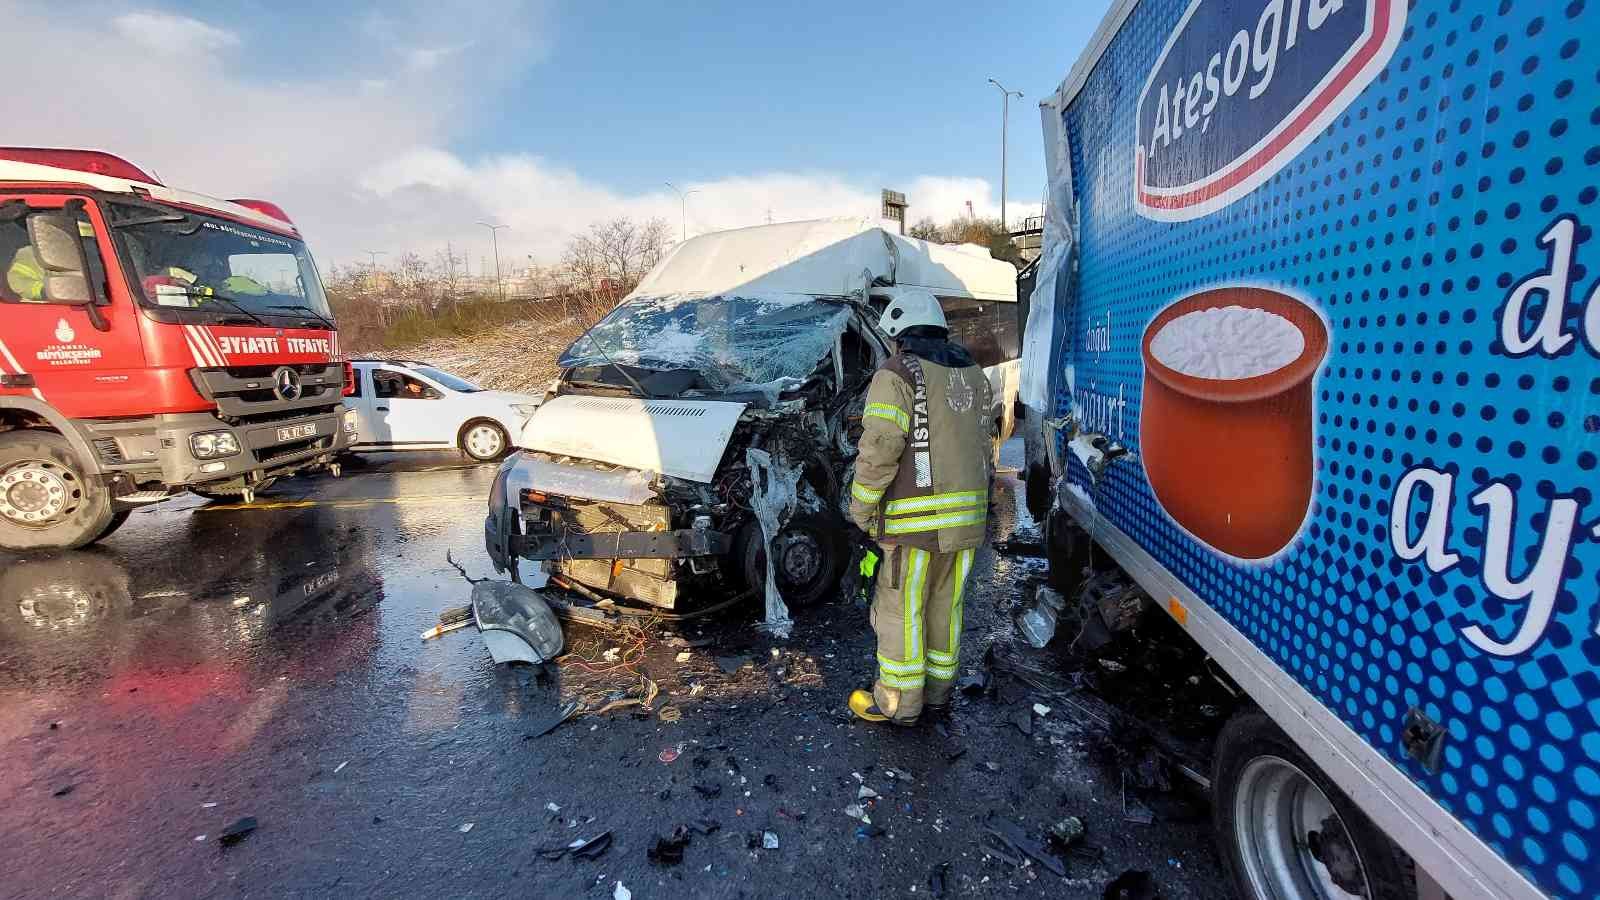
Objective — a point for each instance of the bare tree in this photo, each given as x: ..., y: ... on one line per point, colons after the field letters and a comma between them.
x: 604, y: 263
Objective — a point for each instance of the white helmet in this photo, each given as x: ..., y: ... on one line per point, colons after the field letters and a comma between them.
x: 909, y: 309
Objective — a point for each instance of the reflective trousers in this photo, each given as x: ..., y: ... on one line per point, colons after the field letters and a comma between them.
x: 916, y: 614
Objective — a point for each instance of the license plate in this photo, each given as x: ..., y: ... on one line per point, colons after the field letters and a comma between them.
x: 297, y: 432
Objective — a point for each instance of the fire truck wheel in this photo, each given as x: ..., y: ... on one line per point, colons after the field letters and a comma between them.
x: 483, y: 441
x: 1286, y: 830
x: 47, y: 502
x: 118, y: 519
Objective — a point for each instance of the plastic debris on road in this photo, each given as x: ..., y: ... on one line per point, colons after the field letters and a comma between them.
x: 465, y: 827
x: 769, y: 840
x: 1068, y: 831
x: 1038, y: 622
x: 668, y: 851
x: 772, y: 500
x: 621, y: 893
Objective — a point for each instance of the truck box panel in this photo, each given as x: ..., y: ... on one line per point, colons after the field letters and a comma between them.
x: 1463, y: 170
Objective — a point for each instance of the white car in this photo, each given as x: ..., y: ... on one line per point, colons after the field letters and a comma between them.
x: 414, y: 406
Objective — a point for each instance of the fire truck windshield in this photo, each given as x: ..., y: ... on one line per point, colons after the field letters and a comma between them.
x: 192, y: 261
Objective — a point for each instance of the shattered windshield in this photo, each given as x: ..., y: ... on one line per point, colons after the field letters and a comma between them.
x: 205, y: 262
x: 732, y: 342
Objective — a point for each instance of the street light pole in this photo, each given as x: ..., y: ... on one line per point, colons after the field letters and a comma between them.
x: 683, y: 208
x: 375, y: 254
x: 1005, y: 119
x: 494, y: 237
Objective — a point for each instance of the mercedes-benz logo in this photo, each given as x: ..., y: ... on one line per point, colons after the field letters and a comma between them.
x: 286, y: 384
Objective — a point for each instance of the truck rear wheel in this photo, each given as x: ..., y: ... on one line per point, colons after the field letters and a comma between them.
x: 47, y: 500
x: 1286, y: 831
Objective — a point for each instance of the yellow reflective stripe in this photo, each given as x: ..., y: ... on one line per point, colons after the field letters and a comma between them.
x: 898, y: 667
x: 916, y: 581
x: 963, y: 569
x: 887, y: 411
x: 943, y: 673
x: 902, y: 681
x: 933, y: 523
x: 940, y: 657
x: 960, y: 500
x: 864, y: 494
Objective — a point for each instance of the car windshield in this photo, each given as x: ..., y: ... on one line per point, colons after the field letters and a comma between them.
x: 459, y: 385
x: 194, y: 261
x: 732, y: 342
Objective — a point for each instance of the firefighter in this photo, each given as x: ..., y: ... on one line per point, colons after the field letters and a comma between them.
x: 921, y: 490
x: 25, y: 276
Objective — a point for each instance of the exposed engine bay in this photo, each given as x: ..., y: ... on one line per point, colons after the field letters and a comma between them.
x: 652, y: 481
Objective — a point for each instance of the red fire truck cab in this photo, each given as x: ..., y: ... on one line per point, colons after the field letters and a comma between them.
x: 151, y: 341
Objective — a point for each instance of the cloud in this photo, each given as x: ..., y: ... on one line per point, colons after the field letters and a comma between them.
x: 171, y: 33
x: 426, y: 59
x: 361, y: 156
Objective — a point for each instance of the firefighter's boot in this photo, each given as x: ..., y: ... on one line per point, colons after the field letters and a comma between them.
x: 866, y: 708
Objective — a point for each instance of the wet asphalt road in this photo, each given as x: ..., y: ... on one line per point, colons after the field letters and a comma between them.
x: 208, y: 663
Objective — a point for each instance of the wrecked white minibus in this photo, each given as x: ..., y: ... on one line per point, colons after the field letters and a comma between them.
x: 707, y: 424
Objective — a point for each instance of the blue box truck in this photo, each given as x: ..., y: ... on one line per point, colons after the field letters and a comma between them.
x: 1313, y: 352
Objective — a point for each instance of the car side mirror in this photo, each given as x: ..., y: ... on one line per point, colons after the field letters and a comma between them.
x: 59, y: 250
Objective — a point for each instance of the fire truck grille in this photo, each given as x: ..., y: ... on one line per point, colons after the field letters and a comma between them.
x: 284, y: 451
x: 109, y: 451
x: 250, y: 392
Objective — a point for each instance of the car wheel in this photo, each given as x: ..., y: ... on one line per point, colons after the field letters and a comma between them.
x: 1286, y: 831
x: 809, y: 562
x: 47, y: 501
x: 230, y: 490
x: 483, y: 441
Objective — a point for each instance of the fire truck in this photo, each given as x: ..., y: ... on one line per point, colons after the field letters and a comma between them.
x: 152, y: 341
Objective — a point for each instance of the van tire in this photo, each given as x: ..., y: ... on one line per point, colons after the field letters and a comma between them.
x: 47, y: 458
x: 817, y: 533
x: 1255, y: 758
x: 483, y: 440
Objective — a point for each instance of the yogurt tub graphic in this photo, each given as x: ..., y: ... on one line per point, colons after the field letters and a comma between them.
x: 1230, y: 459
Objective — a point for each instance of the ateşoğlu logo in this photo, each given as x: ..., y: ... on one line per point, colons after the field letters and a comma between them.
x: 1242, y: 86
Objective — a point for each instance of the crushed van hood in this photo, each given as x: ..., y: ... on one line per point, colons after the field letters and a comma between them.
x: 681, y: 438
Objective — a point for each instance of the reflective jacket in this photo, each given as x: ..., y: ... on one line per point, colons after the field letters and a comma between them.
x: 922, y: 471
x: 25, y: 277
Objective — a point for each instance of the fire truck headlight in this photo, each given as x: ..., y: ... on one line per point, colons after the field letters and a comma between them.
x: 213, y: 444
x: 350, y: 422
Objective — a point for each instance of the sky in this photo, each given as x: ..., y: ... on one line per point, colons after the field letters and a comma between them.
x: 398, y: 126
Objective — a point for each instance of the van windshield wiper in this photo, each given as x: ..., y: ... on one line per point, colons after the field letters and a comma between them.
x: 314, y: 314
x: 643, y: 394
